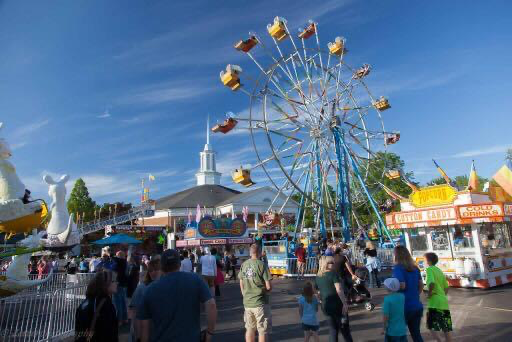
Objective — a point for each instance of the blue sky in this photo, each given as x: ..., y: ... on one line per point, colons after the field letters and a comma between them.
x: 113, y: 90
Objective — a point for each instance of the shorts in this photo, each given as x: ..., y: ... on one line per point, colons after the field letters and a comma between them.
x: 388, y: 338
x: 439, y: 320
x: 259, y: 318
x: 307, y: 327
x: 210, y: 280
x: 301, y: 266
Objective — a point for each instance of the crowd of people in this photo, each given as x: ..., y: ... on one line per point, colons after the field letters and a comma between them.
x: 171, y: 289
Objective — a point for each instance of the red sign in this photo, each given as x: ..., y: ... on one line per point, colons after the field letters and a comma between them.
x: 480, y: 210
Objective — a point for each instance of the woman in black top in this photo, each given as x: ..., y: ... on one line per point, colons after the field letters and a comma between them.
x: 96, y: 318
x: 334, y: 302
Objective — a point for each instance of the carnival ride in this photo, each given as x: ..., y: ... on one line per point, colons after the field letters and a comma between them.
x: 313, y: 122
x: 21, y: 215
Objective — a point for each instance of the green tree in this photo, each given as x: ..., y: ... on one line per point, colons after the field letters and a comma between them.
x: 381, y: 162
x: 460, y: 181
x: 80, y: 202
x: 110, y: 209
x: 508, y: 157
x: 361, y: 206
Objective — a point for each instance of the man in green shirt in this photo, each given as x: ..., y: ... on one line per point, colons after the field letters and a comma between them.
x: 255, y: 286
x: 438, y: 314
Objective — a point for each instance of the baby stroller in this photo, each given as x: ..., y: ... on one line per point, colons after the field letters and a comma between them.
x: 357, y: 292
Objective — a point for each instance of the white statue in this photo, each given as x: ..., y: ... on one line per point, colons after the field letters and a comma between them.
x: 62, y: 231
x: 13, y: 198
x: 11, y: 186
x: 16, y: 276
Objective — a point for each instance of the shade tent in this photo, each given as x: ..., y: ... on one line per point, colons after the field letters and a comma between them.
x: 117, y: 239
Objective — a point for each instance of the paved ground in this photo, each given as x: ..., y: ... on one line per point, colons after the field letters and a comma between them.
x: 477, y: 315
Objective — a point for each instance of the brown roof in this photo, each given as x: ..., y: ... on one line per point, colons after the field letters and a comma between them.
x: 205, y: 195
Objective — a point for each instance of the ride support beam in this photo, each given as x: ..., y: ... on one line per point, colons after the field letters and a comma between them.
x: 368, y: 195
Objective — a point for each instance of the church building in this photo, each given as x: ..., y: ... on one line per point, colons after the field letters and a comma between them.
x: 218, y: 200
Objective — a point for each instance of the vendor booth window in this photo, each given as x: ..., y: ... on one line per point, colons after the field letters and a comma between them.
x: 440, y: 240
x: 418, y: 241
x: 495, y: 235
x: 463, y: 237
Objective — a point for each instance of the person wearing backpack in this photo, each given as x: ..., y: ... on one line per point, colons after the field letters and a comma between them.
x: 96, y: 318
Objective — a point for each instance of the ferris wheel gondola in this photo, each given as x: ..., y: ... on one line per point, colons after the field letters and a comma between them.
x: 313, y: 122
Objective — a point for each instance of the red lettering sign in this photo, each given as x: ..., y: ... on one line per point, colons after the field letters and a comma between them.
x: 480, y: 211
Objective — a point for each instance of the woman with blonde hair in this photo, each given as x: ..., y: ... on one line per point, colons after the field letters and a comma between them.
x: 334, y: 302
x: 373, y: 264
x: 411, y: 285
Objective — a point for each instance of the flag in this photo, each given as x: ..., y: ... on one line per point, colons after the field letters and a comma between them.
x: 504, y: 178
x: 198, y: 213
x: 443, y: 174
x: 189, y: 216
x: 151, y: 177
x: 473, y: 178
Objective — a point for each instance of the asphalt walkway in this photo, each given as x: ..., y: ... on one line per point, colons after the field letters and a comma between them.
x: 478, y: 315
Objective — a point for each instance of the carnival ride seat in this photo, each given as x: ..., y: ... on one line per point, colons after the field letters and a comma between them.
x: 338, y: 47
x: 392, y: 138
x: 362, y: 72
x: 382, y: 104
x: 277, y: 30
x: 226, y: 126
x: 24, y: 223
x: 242, y: 176
x: 230, y: 78
x: 393, y: 174
x: 308, y: 31
x: 246, y: 45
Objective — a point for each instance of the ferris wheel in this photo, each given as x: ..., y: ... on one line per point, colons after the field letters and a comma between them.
x: 313, y: 122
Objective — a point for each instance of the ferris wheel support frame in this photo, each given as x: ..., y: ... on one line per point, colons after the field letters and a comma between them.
x: 355, y: 168
x: 344, y: 204
x: 320, y: 199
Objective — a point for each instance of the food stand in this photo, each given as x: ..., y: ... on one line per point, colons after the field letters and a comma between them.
x: 470, y: 231
x: 230, y: 233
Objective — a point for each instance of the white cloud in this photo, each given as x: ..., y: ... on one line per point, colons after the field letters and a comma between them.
x: 482, y: 151
x: 165, y: 93
x: 106, y: 114
x: 21, y: 136
x: 25, y: 131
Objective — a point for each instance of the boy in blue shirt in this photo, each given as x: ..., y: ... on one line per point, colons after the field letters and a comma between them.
x: 393, y: 312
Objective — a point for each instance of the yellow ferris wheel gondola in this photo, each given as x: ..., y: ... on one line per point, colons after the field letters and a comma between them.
x: 25, y: 223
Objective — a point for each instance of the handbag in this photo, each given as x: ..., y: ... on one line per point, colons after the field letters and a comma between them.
x: 90, y: 332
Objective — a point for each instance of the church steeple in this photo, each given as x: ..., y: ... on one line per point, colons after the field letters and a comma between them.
x: 208, y: 170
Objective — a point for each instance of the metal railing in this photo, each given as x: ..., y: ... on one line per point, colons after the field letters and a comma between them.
x: 40, y: 316
x: 385, y: 255
x: 310, y: 270
x: 144, y: 210
x: 357, y: 259
x: 55, y: 282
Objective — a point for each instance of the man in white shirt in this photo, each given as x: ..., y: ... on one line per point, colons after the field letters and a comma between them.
x: 186, y: 263
x: 209, y: 270
x: 93, y: 264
